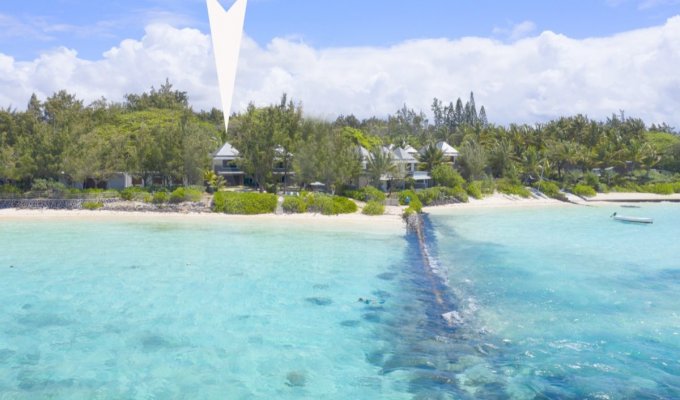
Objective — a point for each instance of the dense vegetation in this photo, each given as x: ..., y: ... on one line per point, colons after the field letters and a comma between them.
x: 153, y: 134
x: 244, y: 203
x: 158, y: 134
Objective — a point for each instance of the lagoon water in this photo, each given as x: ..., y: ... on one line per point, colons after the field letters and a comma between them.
x: 572, y: 304
x: 549, y: 303
x: 192, y: 310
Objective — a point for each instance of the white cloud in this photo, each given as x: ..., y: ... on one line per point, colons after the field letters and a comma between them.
x: 530, y: 80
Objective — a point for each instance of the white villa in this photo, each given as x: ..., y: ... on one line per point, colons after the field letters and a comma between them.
x: 450, y: 154
x: 225, y: 163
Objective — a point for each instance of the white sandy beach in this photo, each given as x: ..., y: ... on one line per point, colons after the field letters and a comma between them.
x: 633, y: 197
x: 498, y: 200
x: 391, y: 221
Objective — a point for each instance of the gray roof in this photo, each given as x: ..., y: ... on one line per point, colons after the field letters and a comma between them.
x: 409, y: 149
x: 446, y: 148
x: 227, y: 151
x: 363, y: 152
x: 403, y: 155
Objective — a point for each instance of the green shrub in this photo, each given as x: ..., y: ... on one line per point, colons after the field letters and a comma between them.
x: 474, y: 189
x: 430, y: 195
x: 148, y: 198
x: 294, y: 205
x: 330, y: 205
x: 676, y: 187
x: 457, y: 193
x: 182, y: 194
x: 584, y: 190
x: 244, y: 203
x: 445, y: 175
x: 41, y: 185
x: 507, y: 187
x: 405, y: 196
x: 438, y: 193
x: 373, y: 208
x: 130, y: 193
x: 92, y: 205
x: 366, y: 194
x: 548, y: 188
x: 373, y: 194
x: 160, y: 197
x: 626, y: 186
x: 591, y: 179
x: 410, y: 198
x: 659, y: 188
x: 10, y: 191
x: 488, y: 187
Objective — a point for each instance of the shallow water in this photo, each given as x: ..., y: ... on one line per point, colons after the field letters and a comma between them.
x: 185, y: 310
x: 556, y: 303
x: 574, y: 305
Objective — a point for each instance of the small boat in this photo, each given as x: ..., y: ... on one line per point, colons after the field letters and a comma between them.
x: 636, y: 220
x: 629, y: 206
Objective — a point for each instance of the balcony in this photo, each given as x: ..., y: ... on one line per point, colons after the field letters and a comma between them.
x: 228, y: 170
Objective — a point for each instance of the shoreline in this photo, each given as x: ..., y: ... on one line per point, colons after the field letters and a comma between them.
x: 392, y: 217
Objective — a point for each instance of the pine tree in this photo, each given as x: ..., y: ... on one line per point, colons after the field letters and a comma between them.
x: 460, y: 112
x: 471, y: 111
x: 482, y: 117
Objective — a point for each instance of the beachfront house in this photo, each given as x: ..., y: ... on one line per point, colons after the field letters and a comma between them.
x: 407, y: 165
x: 225, y: 165
x: 450, y: 154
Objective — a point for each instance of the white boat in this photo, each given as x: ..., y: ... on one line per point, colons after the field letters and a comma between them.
x: 637, y: 220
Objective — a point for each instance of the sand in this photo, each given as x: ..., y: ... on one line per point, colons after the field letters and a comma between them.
x: 390, y: 222
x: 498, y: 200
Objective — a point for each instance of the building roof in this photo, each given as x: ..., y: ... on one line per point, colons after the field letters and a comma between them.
x: 363, y: 152
x: 227, y: 151
x: 409, y: 149
x: 403, y: 155
x: 444, y: 147
x: 447, y: 149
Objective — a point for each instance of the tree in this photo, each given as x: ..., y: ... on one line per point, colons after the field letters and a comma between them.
x: 256, y: 142
x: 287, y: 131
x: 473, y: 160
x: 445, y: 175
x: 326, y: 154
x: 380, y: 164
x: 482, y: 117
x: 431, y: 157
x: 163, y: 98
x: 501, y: 157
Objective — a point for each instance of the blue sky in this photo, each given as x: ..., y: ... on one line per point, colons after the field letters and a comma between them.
x: 31, y: 27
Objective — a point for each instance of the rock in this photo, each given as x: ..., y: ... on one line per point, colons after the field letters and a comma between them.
x: 319, y: 301
x: 453, y: 318
x: 296, y: 379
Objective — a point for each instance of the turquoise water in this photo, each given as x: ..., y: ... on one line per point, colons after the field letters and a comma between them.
x: 564, y: 302
x: 549, y: 303
x: 187, y: 310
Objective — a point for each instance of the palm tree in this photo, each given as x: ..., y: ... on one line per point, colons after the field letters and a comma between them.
x: 380, y: 162
x: 431, y: 157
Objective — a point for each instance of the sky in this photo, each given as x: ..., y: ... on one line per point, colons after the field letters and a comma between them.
x: 527, y: 61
